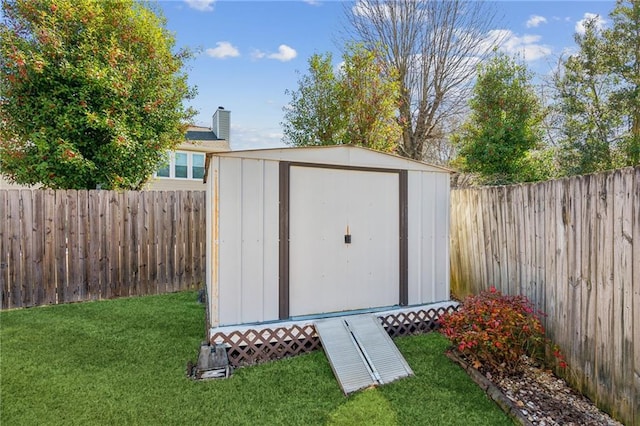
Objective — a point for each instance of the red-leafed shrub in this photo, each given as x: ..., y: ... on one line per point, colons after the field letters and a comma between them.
x: 496, y: 330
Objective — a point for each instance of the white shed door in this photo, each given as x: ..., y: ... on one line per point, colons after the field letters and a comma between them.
x: 325, y: 273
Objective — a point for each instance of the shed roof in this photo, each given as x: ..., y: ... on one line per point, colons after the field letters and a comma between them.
x: 339, y: 155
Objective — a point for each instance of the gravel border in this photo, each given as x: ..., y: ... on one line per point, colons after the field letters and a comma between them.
x: 537, y: 397
x: 492, y: 390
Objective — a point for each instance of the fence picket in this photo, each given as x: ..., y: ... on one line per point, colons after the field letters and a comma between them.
x: 83, y: 245
x: 15, y: 261
x: 26, y: 212
x: 37, y: 245
x: 172, y: 275
x: 180, y: 243
x: 73, y: 249
x: 162, y: 240
x: 50, y: 283
x: 151, y: 213
x: 622, y: 296
x: 586, y: 368
x: 4, y: 251
x: 143, y: 229
x: 197, y: 233
x: 635, y: 290
x: 93, y: 246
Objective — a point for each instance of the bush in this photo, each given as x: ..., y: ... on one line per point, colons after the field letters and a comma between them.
x: 495, y: 331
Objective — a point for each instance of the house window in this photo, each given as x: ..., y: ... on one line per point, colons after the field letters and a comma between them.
x: 164, y: 171
x: 197, y: 166
x: 182, y: 165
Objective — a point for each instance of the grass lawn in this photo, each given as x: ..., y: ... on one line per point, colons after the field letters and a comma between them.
x: 123, y: 362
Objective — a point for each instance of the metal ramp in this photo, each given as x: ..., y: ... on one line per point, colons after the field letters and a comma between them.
x: 360, y: 352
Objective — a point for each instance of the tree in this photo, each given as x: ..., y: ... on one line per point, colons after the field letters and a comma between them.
x: 589, y: 125
x: 623, y: 59
x: 598, y: 95
x: 434, y: 46
x: 314, y: 116
x: 91, y: 93
x: 355, y: 104
x: 503, y: 129
x: 369, y: 95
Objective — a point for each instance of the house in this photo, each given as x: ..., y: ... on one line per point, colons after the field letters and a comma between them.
x: 185, y: 170
x: 294, y: 233
x: 186, y: 164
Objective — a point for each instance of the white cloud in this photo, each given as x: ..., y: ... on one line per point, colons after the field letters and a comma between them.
x: 285, y: 53
x: 536, y: 20
x: 312, y: 2
x: 361, y: 8
x: 201, y: 5
x: 527, y: 46
x: 534, y: 52
x: 223, y: 49
x: 255, y: 137
x: 599, y: 22
x: 258, y: 54
x: 366, y: 9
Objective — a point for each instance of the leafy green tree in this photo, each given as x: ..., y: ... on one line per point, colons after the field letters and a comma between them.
x: 598, y: 95
x: 92, y: 93
x: 355, y: 104
x: 503, y: 129
x: 590, y: 126
x: 369, y: 99
x: 623, y: 59
x: 314, y: 116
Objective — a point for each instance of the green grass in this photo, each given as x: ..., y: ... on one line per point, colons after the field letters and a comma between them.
x: 123, y: 361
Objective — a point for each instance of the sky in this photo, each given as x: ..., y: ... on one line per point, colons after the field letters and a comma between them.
x: 249, y: 53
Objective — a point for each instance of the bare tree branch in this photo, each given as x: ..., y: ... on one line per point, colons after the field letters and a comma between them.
x: 435, y: 46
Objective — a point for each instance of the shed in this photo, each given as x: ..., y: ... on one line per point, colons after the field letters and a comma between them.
x: 294, y: 233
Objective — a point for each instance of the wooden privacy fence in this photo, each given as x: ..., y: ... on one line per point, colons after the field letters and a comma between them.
x: 571, y: 246
x: 67, y: 246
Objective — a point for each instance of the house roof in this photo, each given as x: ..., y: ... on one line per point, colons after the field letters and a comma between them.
x: 203, y: 139
x: 199, y: 133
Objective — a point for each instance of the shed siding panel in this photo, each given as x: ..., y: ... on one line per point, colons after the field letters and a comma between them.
x: 429, y: 229
x: 428, y: 237
x: 422, y: 227
x: 271, y: 241
x: 230, y: 276
x: 414, y: 183
x: 440, y: 262
x: 248, y: 240
x: 251, y: 235
x: 211, y: 261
